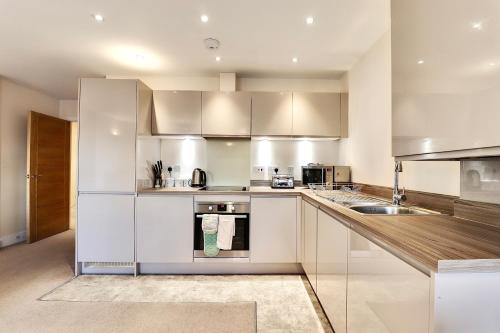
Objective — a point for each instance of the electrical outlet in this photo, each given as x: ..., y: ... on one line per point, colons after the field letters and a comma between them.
x: 258, y: 172
x: 271, y: 172
x: 291, y: 170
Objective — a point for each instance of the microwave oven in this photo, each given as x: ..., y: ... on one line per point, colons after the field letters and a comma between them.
x: 329, y: 174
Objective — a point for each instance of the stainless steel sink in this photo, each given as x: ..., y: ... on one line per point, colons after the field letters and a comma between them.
x: 388, y: 210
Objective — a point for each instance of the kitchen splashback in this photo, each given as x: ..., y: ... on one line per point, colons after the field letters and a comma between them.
x: 480, y: 180
x: 232, y: 161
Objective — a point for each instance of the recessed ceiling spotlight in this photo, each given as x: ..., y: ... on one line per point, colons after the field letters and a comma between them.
x: 98, y: 17
x: 492, y: 64
x: 477, y: 25
x: 420, y: 62
x: 204, y: 18
x: 139, y: 57
x: 295, y: 59
x: 310, y: 20
x: 217, y: 59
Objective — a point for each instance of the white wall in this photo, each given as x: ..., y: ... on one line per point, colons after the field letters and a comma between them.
x: 15, y: 103
x: 68, y: 109
x: 368, y: 148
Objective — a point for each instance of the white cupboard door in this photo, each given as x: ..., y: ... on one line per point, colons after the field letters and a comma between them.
x: 271, y: 113
x: 165, y: 229
x: 107, y: 135
x: 332, y: 270
x: 384, y: 293
x: 316, y: 114
x: 310, y: 239
x: 105, y: 228
x: 273, y: 230
x: 226, y: 113
x: 177, y: 112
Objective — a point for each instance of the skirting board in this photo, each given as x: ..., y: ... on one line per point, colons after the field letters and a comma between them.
x: 12, y: 239
x: 220, y: 268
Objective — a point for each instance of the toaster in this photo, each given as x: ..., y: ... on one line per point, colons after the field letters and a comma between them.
x: 282, y: 181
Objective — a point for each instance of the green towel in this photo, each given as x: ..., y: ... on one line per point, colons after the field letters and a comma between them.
x: 210, y: 244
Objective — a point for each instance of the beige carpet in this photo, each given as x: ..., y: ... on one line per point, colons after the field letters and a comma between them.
x: 29, y: 271
x: 283, y: 304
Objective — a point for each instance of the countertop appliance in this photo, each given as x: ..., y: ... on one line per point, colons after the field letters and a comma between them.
x: 282, y: 181
x: 318, y: 173
x: 199, y: 178
x: 241, y: 239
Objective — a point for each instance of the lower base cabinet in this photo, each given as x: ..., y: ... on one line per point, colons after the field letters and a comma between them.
x: 164, y: 229
x: 310, y: 237
x: 273, y: 230
x: 332, y: 269
x: 105, y: 228
x: 385, y: 294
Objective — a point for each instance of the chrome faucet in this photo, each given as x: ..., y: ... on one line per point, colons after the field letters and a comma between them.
x: 397, y: 195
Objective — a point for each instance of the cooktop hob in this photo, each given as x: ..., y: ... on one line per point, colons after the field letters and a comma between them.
x: 226, y: 188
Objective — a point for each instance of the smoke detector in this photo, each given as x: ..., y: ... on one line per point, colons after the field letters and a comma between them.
x: 211, y: 43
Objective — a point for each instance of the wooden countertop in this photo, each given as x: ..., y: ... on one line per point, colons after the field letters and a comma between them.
x: 430, y: 243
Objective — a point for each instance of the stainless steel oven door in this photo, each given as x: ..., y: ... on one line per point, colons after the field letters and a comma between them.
x: 241, y: 239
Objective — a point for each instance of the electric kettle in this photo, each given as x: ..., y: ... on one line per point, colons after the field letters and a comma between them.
x: 199, y: 178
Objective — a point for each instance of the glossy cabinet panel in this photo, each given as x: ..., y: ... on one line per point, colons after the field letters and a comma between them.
x: 316, y: 114
x: 272, y: 113
x: 332, y: 270
x: 273, y: 230
x: 385, y: 294
x: 310, y: 231
x: 107, y: 135
x: 164, y: 229
x: 105, y: 228
x: 226, y: 113
x: 445, y: 76
x: 177, y: 112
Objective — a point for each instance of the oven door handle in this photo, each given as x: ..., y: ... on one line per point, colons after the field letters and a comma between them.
x: 235, y: 216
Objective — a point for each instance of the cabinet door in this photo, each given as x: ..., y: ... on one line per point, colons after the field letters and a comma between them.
x: 177, y: 112
x: 310, y: 239
x: 273, y: 233
x: 165, y: 229
x: 332, y: 270
x: 107, y: 134
x: 271, y: 113
x: 226, y: 113
x: 316, y: 114
x: 384, y: 293
x: 105, y: 228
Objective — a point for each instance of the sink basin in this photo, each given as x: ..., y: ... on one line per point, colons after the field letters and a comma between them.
x: 388, y: 210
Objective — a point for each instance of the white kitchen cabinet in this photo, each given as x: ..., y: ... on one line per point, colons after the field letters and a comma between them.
x: 177, y: 112
x: 384, y: 293
x: 107, y: 135
x: 332, y: 269
x: 144, y: 109
x: 272, y: 113
x: 316, y: 114
x: 310, y: 214
x: 273, y: 230
x: 164, y: 229
x: 226, y: 113
x: 105, y: 228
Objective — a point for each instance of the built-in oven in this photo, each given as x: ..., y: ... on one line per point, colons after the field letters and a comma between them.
x: 241, y: 239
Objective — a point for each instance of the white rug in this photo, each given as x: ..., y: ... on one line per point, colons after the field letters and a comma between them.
x: 283, y: 304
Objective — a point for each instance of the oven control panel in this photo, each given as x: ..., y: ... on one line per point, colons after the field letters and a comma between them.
x: 222, y: 207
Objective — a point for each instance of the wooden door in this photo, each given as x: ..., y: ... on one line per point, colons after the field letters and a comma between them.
x: 48, y: 176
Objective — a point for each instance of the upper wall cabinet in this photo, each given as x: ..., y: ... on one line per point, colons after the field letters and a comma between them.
x: 176, y: 113
x: 108, y: 112
x: 226, y: 113
x: 445, y: 89
x: 316, y: 114
x: 272, y: 113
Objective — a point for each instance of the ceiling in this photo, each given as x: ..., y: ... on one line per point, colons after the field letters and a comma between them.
x: 49, y: 44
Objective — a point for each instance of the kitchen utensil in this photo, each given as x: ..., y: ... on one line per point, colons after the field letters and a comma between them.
x: 199, y: 178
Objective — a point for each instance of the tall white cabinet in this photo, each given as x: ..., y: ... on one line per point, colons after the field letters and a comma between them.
x: 108, y: 113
